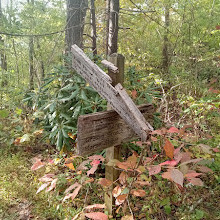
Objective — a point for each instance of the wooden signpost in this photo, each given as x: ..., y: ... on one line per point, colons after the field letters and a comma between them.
x: 108, y: 129
x: 116, y: 96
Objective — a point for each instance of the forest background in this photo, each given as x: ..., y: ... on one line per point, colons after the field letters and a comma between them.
x: 172, y: 61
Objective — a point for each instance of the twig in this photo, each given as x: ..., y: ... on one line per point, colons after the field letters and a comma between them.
x: 130, y: 208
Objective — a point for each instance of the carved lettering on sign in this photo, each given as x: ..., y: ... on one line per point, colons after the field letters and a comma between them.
x: 116, y: 96
x: 101, y: 130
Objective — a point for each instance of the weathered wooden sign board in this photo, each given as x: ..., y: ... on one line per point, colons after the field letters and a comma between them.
x: 102, y: 130
x: 116, y: 96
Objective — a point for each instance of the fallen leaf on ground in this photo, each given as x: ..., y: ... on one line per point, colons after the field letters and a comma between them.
x: 38, y: 164
x: 138, y: 192
x: 96, y: 216
x: 169, y: 149
x: 105, y: 182
x: 96, y: 206
x: 42, y: 187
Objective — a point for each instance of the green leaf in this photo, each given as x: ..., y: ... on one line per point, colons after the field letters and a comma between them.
x: 125, y: 191
x: 167, y: 209
x: 59, y: 140
x: 4, y: 113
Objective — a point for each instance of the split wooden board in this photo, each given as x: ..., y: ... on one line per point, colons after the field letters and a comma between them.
x: 101, y: 130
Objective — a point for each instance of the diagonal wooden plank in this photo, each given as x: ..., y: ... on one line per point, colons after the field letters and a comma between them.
x: 116, y: 97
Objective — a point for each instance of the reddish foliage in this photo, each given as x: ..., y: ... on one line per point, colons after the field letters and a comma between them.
x: 169, y: 149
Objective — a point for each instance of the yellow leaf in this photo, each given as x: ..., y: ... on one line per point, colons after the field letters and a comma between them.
x: 70, y: 165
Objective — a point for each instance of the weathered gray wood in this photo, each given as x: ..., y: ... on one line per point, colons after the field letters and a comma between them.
x: 116, y: 96
x: 110, y: 65
x: 101, y: 130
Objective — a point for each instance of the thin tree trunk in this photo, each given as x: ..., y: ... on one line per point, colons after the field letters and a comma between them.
x: 93, y: 33
x: 42, y: 70
x: 76, y: 12
x: 113, y: 27
x: 2, y: 52
x: 31, y: 58
x: 16, y: 61
x: 107, y: 25
x: 31, y: 63
x: 166, y: 58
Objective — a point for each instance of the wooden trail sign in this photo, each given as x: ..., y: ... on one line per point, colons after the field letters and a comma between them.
x: 101, y: 130
x: 116, y: 96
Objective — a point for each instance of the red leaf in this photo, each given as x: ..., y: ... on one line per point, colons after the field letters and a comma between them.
x: 204, y: 169
x: 42, y: 187
x: 116, y: 191
x: 143, y: 183
x: 47, y: 178
x: 97, y: 157
x: 72, y: 187
x: 173, y: 130
x: 38, y: 164
x: 95, y: 162
x: 123, y: 178
x: 134, y: 94
x: 216, y: 150
x: 159, y: 132
x: 154, y: 139
x: 138, y: 193
x: 192, y: 174
x: 153, y: 170
x: 72, y: 195
x: 169, y: 163
x: 167, y: 175
x: 169, y: 149
x: 120, y: 199
x: 177, y: 177
x: 105, y: 182
x: 52, y: 185
x: 177, y: 150
x: 96, y: 206
x: 96, y: 216
x: 129, y: 164
x: 83, y: 166
x: 196, y: 181
x: 92, y: 170
x: 185, y: 157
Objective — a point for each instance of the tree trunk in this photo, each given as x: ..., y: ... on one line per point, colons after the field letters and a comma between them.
x: 93, y: 33
x: 107, y: 24
x: 113, y: 27
x: 31, y: 57
x: 42, y: 71
x: 166, y: 58
x: 76, y: 12
x: 2, y: 51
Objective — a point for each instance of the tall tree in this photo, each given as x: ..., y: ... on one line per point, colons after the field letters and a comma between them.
x: 113, y: 27
x: 93, y: 32
x: 76, y: 12
x: 31, y: 56
x: 166, y: 58
x: 2, y: 50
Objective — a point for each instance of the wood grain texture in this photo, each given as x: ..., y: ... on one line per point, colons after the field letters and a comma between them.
x: 98, y: 131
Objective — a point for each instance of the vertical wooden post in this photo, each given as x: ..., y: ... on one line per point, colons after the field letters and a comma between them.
x: 113, y: 152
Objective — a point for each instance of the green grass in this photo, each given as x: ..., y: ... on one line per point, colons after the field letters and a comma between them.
x: 18, y: 185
